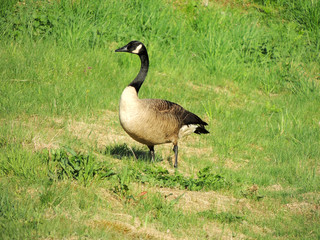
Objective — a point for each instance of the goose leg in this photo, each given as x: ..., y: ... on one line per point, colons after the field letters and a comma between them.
x: 175, y: 149
x: 151, y: 148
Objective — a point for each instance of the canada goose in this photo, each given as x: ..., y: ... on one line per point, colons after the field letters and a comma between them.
x: 154, y: 121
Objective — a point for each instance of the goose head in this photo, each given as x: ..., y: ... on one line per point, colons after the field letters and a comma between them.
x: 134, y: 47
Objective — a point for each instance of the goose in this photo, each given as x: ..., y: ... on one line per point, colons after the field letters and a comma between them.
x: 154, y: 121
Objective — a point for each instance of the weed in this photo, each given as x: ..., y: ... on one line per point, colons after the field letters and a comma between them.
x: 223, y: 217
x: 66, y: 163
x: 252, y: 193
x: 33, y: 19
x: 206, y: 179
x: 123, y: 181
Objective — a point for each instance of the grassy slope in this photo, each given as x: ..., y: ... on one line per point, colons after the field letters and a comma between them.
x: 253, y: 75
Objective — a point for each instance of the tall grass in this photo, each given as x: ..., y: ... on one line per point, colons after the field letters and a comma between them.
x: 305, y: 13
x: 218, y: 45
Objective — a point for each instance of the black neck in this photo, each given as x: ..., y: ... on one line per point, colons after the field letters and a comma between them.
x: 137, y: 82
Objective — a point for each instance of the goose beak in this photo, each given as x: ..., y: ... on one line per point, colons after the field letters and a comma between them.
x: 123, y: 49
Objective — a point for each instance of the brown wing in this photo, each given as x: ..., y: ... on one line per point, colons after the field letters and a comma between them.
x: 183, y: 116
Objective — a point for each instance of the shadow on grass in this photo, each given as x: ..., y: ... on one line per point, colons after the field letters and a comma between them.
x: 124, y: 151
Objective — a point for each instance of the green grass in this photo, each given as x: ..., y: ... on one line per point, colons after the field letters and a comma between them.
x: 248, y: 68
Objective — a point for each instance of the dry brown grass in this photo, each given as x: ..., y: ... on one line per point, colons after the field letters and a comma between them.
x: 134, y: 231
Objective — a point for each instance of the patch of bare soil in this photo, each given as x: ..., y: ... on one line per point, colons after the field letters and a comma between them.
x: 217, y: 89
x: 312, y: 197
x: 303, y: 208
x: 133, y: 227
x: 218, y: 231
x: 48, y: 133
x: 192, y: 201
x: 40, y: 142
x: 134, y: 230
x: 201, y: 152
x: 188, y: 202
x: 275, y: 187
x: 112, y: 200
x: 102, y: 132
x: 229, y: 163
x: 93, y: 132
x: 41, y: 132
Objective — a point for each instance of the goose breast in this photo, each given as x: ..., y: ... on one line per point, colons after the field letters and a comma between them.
x: 141, y: 119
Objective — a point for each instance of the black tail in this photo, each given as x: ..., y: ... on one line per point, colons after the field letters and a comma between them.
x: 184, y: 116
x: 201, y: 130
x: 191, y: 118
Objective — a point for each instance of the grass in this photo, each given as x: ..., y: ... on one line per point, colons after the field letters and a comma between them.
x: 248, y: 68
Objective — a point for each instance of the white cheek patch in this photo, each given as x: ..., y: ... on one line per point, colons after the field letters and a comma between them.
x: 137, y: 50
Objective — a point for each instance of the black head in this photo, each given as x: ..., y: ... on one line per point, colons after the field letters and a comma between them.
x: 134, y: 47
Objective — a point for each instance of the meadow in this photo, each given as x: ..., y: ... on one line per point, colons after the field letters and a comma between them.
x: 248, y: 68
